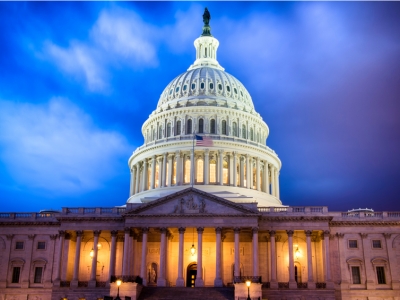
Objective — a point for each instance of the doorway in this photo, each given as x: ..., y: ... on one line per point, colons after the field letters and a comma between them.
x: 191, y: 275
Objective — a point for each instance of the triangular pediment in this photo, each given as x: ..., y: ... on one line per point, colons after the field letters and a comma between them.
x: 192, y: 201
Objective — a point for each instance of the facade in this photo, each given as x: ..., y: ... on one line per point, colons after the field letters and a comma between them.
x: 204, y: 211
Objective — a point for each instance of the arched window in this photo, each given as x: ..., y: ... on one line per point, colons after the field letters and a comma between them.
x: 224, y: 127
x: 201, y: 126
x: 202, y: 85
x: 251, y: 134
x: 212, y: 126
x: 154, y: 134
x: 189, y: 126
x: 187, y: 171
x: 160, y: 132
x: 178, y: 128
x: 213, y: 171
x: 235, y: 129
x: 200, y: 171
x: 174, y: 172
x: 156, y: 183
x: 168, y: 129
x: 243, y: 131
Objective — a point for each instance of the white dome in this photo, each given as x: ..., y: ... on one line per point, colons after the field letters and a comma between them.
x: 206, y: 86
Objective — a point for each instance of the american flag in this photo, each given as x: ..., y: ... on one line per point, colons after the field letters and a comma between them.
x: 204, y: 141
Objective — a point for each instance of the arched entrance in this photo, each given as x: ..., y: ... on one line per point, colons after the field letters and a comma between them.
x: 191, y: 275
x: 297, y: 272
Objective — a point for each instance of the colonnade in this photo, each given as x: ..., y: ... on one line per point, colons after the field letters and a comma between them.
x: 215, y: 167
x: 218, y: 281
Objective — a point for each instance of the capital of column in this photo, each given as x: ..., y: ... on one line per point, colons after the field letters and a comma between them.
x: 163, y: 230
x: 290, y: 232
x: 236, y: 229
x: 242, y: 158
x: 340, y: 235
x: 218, y: 229
x: 200, y: 229
x: 114, y: 232
x: 308, y: 232
x: 220, y: 151
x: 387, y: 235
x: 206, y: 151
x: 254, y: 230
x: 272, y: 232
x: 364, y: 235
x: 159, y: 159
x: 145, y: 230
x: 31, y: 236
x: 133, y: 169
x: 182, y: 229
x: 96, y: 232
x: 127, y: 230
x: 52, y: 236
x: 170, y: 156
x: 10, y: 236
x: 61, y: 233
x: 79, y: 232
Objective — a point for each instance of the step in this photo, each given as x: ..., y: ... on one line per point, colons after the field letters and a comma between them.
x: 197, y: 293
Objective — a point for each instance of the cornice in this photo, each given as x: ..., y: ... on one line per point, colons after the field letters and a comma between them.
x: 363, y: 223
x: 97, y: 219
x: 296, y: 218
x: 191, y: 216
x: 29, y: 223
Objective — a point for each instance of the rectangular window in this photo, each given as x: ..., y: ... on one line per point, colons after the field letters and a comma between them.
x: 19, y: 245
x: 38, y: 275
x: 41, y: 245
x: 376, y: 244
x: 380, y: 273
x: 355, y: 273
x: 353, y: 244
x: 15, y: 274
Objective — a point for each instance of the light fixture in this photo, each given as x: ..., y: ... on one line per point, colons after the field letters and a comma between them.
x: 297, y: 252
x: 91, y: 254
x: 119, y: 281
x: 193, y: 249
x: 248, y: 283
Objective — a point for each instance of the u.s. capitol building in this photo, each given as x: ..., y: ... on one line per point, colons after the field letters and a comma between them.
x: 204, y: 211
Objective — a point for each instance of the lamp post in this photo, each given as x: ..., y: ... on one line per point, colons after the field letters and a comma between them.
x: 248, y: 282
x: 118, y: 284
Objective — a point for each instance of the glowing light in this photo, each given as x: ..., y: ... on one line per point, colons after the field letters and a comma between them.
x: 193, y: 250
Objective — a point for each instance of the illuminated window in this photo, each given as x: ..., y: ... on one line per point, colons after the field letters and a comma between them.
x: 212, y: 126
x: 174, y: 172
x: 237, y: 174
x: 148, y: 176
x: 225, y: 173
x: 213, y: 171
x: 244, y: 174
x: 200, y: 170
x: 187, y: 171
x: 156, y: 181
x: 254, y: 178
x: 201, y: 126
x: 224, y: 127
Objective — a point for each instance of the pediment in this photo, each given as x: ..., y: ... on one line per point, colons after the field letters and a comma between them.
x: 191, y: 201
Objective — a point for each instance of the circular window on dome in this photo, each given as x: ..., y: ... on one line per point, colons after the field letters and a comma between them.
x: 202, y: 85
x: 220, y: 87
x: 193, y: 86
x: 211, y: 85
x: 177, y: 89
x: 185, y: 87
x: 235, y: 90
x: 228, y: 88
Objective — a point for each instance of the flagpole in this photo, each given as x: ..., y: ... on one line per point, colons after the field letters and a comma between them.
x: 192, y: 168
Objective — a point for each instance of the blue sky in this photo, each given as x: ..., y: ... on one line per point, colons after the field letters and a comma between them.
x: 78, y: 79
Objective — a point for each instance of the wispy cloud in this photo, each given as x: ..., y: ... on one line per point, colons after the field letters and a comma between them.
x: 56, y: 147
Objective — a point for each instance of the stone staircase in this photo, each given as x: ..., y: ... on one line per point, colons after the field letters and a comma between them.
x: 197, y: 293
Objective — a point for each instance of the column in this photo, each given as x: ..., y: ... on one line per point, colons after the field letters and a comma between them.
x: 236, y: 272
x: 59, y: 256
x: 234, y: 168
x: 258, y: 173
x: 179, y: 280
x: 144, y: 181
x: 310, y: 280
x: 178, y: 168
x: 137, y: 178
x: 230, y: 168
x: 199, y: 278
x: 75, y: 276
x: 344, y: 271
x: 192, y: 167
x: 241, y: 179
x: 160, y: 170
x: 251, y: 173
x: 394, y: 272
x: 273, y: 187
x: 255, y: 252
x: 218, y: 280
x: 164, y: 171
x: 274, y: 283
x: 133, y: 256
x: 277, y: 182
x: 170, y: 170
x: 132, y: 185
x: 292, y: 281
x: 247, y: 171
x: 113, y: 252
x: 220, y: 166
x: 266, y: 177
x: 329, y: 283
x: 92, y: 282
x: 163, y: 249
x: 153, y: 172
x: 143, y: 266
x: 206, y: 166
x: 125, y: 261
x: 6, y: 258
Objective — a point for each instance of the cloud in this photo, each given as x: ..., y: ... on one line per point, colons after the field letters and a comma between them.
x: 56, y: 147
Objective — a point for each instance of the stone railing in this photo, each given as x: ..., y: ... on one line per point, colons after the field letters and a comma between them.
x: 126, y: 278
x: 387, y: 215
x: 241, y: 279
x: 320, y: 285
x: 93, y: 210
x: 295, y: 210
x: 29, y: 215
